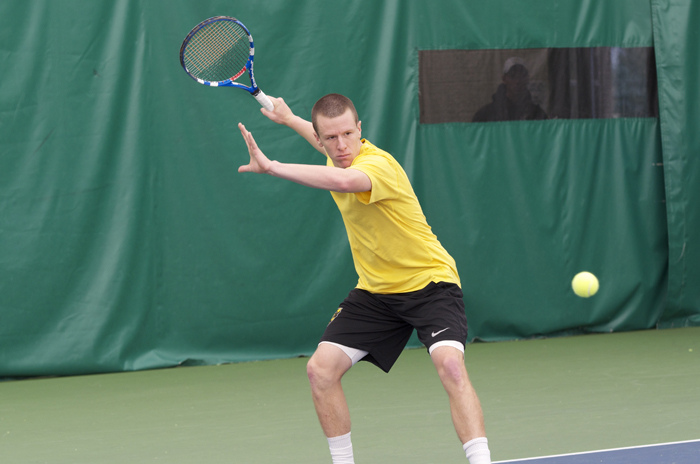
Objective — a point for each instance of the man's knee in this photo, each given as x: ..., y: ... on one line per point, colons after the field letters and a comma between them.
x: 315, y: 370
x: 327, y: 365
x: 450, y: 366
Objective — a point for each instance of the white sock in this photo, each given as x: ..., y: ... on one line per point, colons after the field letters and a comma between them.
x: 478, y: 451
x: 341, y: 449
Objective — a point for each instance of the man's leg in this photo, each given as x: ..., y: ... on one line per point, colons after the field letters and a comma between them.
x: 467, y: 416
x: 325, y: 369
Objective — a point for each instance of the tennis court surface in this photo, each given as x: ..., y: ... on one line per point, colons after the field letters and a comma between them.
x: 562, y: 398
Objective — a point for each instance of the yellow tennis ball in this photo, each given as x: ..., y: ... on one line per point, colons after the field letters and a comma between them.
x: 585, y: 284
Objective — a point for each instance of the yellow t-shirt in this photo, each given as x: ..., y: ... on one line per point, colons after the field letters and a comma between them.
x: 393, y: 247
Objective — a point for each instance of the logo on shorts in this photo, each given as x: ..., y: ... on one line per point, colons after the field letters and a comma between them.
x: 336, y: 314
x: 435, y: 334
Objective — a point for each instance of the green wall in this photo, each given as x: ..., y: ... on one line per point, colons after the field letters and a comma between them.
x: 129, y: 241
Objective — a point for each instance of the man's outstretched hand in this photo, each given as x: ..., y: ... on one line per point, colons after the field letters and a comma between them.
x: 258, y: 161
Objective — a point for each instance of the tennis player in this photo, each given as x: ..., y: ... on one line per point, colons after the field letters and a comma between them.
x: 406, y: 280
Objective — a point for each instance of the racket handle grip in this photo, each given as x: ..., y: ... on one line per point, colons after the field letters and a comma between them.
x: 264, y: 100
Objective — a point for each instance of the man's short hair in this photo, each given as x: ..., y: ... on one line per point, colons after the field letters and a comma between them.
x: 332, y: 106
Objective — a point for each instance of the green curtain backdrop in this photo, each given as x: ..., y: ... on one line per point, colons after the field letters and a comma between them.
x: 677, y: 46
x: 129, y: 241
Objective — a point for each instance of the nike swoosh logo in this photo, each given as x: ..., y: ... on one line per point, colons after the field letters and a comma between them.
x: 435, y: 334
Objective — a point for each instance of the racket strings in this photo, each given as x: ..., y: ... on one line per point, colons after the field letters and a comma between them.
x: 218, y: 51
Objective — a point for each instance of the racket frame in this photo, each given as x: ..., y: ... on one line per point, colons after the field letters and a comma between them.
x: 253, y: 88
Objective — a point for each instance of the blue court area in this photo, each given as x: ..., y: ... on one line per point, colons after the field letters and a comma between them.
x: 684, y: 452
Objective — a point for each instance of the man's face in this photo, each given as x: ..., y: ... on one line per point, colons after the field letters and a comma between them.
x: 517, y: 80
x: 341, y: 137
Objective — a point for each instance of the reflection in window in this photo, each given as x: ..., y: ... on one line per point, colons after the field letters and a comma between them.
x: 536, y: 84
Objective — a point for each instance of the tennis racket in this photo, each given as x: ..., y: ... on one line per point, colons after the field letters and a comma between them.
x: 217, y: 52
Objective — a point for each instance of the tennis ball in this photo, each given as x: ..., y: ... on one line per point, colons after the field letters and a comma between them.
x: 585, y: 284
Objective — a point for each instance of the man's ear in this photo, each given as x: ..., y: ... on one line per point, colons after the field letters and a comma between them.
x: 318, y: 139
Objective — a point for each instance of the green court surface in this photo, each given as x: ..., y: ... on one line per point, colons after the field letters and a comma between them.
x: 540, y: 397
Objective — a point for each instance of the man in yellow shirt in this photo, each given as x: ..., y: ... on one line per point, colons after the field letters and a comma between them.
x: 406, y: 280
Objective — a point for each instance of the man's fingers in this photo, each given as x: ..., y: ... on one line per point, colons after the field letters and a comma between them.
x: 275, y: 103
x: 253, y: 150
x: 247, y: 136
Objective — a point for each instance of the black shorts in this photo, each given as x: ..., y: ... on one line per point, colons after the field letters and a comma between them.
x: 382, y: 324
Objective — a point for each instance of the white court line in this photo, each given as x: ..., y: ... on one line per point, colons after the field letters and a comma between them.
x: 599, y: 451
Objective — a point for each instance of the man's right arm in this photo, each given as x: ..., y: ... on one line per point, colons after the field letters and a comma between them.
x: 282, y: 114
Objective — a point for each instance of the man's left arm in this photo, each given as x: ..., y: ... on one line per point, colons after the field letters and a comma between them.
x: 321, y: 177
